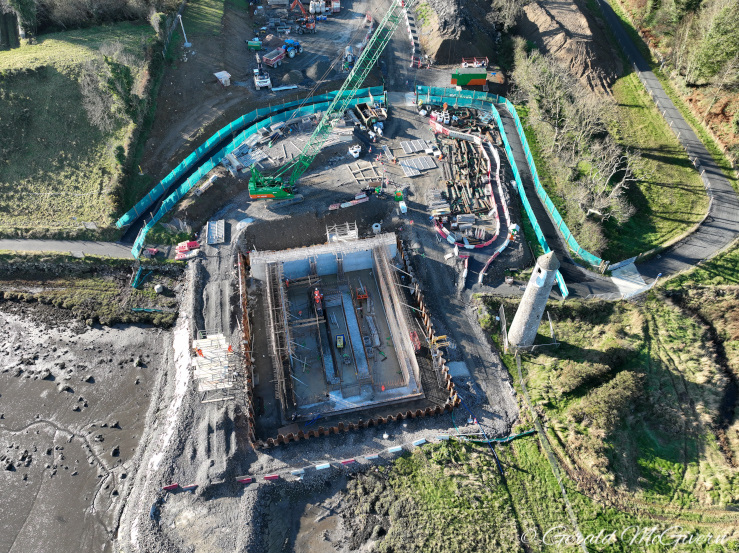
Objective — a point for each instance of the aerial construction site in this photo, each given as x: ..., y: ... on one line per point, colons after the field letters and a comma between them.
x: 345, y: 299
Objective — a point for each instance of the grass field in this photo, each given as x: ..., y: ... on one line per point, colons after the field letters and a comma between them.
x: 58, y: 169
x: 718, y: 271
x: 632, y: 397
x: 669, y: 197
x: 203, y: 17
x: 645, y: 467
x: 451, y: 498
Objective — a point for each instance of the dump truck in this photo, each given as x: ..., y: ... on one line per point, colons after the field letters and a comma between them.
x: 274, y: 58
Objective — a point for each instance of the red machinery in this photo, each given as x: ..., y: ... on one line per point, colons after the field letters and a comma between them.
x: 307, y: 23
x: 316, y: 300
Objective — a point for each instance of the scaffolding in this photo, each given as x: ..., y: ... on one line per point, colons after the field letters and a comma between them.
x: 352, y: 302
x: 342, y: 233
x: 214, y: 367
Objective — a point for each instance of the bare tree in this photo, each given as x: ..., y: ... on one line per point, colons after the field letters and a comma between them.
x: 97, y: 102
x: 508, y: 11
x: 727, y: 78
x: 611, y: 171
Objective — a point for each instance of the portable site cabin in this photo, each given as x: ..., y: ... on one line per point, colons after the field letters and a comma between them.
x: 469, y: 76
x: 224, y: 77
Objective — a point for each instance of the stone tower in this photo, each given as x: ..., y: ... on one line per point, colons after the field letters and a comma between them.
x: 530, y: 310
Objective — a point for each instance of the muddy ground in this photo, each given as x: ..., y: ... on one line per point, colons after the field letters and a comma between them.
x: 73, y: 404
x: 192, y: 105
x: 205, y: 445
x: 568, y: 30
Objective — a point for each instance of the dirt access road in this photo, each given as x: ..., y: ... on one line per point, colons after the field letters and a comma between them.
x: 191, y: 105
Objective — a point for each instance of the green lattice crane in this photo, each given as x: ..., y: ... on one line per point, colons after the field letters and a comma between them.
x: 281, y: 185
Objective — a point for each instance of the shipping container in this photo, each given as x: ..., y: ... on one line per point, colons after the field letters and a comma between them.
x: 471, y: 76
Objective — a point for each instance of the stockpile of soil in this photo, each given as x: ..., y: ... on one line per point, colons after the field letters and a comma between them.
x: 317, y: 71
x: 293, y: 77
x: 572, y: 35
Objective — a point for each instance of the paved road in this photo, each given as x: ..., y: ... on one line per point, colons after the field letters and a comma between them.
x: 580, y: 283
x: 87, y: 247
x: 722, y: 224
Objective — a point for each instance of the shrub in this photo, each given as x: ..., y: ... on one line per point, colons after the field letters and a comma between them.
x: 574, y: 375
x: 605, y: 406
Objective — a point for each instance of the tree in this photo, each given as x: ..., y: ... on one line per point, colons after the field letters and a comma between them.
x: 727, y: 78
x: 719, y: 42
x: 508, y: 11
x: 611, y: 171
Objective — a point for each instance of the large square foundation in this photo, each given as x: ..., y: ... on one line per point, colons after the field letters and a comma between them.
x: 336, y: 328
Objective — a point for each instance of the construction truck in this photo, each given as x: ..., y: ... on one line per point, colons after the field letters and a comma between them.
x: 305, y: 24
x: 261, y: 77
x: 349, y: 58
x: 282, y: 182
x: 290, y: 49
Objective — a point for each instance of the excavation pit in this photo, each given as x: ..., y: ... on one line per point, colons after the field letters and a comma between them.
x: 336, y: 331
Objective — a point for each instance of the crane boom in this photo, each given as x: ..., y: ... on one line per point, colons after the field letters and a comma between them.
x: 262, y: 186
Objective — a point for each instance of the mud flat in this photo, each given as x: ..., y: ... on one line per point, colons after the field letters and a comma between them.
x: 73, y: 402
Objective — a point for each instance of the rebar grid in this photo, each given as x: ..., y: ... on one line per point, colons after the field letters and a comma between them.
x: 398, y: 323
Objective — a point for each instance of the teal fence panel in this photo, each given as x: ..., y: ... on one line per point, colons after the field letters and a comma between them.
x: 525, y: 201
x: 236, y: 125
x: 215, y: 159
x: 590, y: 258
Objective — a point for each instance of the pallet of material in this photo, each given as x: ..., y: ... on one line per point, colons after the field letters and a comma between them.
x: 465, y: 221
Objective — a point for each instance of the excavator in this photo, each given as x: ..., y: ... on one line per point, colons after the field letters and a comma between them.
x: 282, y: 183
x: 307, y: 23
